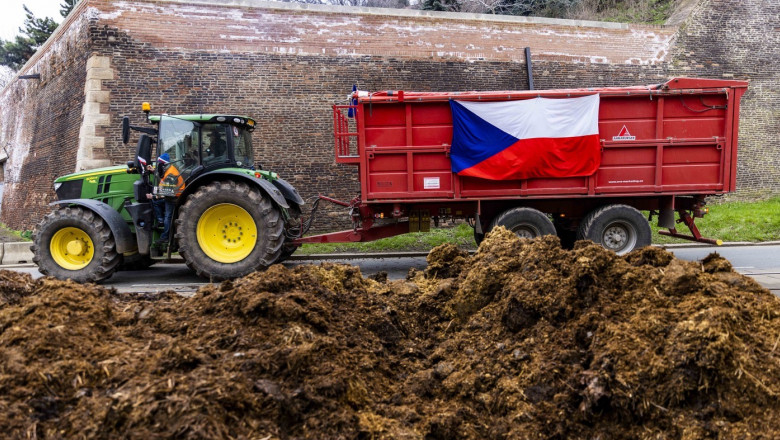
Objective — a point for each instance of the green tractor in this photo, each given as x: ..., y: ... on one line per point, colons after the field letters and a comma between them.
x: 227, y: 217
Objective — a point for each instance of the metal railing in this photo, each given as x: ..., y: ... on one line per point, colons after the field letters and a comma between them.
x: 345, y: 133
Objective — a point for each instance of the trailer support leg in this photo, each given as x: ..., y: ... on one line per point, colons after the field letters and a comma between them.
x: 696, y: 235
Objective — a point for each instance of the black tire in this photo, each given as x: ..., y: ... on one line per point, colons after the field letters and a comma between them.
x: 478, y: 237
x: 265, y: 247
x: 525, y: 222
x: 288, y: 248
x: 287, y: 251
x: 619, y: 228
x: 136, y: 262
x: 566, y: 234
x: 104, y: 260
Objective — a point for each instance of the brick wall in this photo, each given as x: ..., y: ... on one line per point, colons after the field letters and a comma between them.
x: 39, y: 123
x: 285, y: 64
x: 741, y: 40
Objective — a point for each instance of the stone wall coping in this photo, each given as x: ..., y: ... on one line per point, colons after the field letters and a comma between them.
x: 410, y: 13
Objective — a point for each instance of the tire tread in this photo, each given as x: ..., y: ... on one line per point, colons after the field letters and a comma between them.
x: 100, y: 233
x: 586, y: 228
x: 269, y: 226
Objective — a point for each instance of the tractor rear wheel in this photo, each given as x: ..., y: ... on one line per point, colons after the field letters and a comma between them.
x: 288, y: 248
x: 75, y: 243
x: 228, y: 230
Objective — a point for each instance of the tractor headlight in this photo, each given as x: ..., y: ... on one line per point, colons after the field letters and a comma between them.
x: 57, y: 185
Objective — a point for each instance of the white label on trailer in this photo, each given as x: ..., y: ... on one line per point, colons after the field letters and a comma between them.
x: 624, y: 135
x: 431, y: 183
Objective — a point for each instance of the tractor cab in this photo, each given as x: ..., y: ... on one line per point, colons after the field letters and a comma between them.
x: 188, y: 146
x: 197, y: 143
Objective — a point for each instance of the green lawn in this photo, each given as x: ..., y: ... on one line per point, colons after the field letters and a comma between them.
x: 731, y: 221
x: 735, y: 221
x: 462, y: 235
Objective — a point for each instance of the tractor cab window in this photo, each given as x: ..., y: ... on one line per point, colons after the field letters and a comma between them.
x: 242, y: 145
x: 215, y: 144
x: 179, y: 143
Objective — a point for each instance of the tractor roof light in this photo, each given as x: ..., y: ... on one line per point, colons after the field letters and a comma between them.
x: 146, y: 107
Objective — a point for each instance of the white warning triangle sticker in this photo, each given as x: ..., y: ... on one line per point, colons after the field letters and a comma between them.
x: 624, y: 135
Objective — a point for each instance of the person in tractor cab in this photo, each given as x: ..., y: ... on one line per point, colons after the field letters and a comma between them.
x: 164, y: 202
x: 217, y: 147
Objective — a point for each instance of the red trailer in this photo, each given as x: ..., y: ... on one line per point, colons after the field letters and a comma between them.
x: 661, y: 148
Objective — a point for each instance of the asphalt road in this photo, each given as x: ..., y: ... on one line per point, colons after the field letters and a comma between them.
x: 759, y: 262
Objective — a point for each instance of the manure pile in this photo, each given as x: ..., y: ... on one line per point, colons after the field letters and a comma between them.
x: 521, y: 340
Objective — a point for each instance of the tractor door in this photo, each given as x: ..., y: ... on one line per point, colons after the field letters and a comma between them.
x: 180, y: 140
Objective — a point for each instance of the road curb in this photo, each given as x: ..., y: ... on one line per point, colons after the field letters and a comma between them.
x: 726, y: 244
x: 20, y: 253
x: 356, y: 255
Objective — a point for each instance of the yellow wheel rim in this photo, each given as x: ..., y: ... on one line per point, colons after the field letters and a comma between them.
x: 226, y: 233
x: 71, y: 248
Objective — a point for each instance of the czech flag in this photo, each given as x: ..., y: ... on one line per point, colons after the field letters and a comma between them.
x: 538, y: 137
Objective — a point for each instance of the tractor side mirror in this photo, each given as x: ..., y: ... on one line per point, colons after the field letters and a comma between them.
x: 143, y: 153
x: 125, y: 129
x: 131, y: 169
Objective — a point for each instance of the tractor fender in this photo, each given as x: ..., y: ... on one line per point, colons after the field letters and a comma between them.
x: 267, y: 187
x: 288, y: 191
x: 125, y: 240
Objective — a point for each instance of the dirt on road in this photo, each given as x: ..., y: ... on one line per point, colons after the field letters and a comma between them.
x: 521, y: 340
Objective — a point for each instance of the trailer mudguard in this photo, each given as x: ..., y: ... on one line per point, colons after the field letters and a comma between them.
x: 288, y: 191
x: 267, y: 187
x: 124, y: 239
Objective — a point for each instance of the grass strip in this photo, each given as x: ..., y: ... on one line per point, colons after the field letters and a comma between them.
x: 730, y: 221
x: 734, y: 221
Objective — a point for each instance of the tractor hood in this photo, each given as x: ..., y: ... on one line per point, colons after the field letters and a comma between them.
x: 118, y: 169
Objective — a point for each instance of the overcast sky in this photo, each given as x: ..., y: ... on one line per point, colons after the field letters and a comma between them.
x: 12, y: 16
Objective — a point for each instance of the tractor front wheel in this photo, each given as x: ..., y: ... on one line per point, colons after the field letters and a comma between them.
x: 227, y: 230
x: 75, y: 243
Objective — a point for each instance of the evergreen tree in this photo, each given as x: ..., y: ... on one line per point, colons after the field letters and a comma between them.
x: 441, y: 5
x: 34, y: 33
x: 66, y: 6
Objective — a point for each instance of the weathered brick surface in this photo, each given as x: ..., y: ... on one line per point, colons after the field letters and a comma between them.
x: 741, y: 39
x: 39, y: 123
x: 291, y: 29
x: 285, y: 65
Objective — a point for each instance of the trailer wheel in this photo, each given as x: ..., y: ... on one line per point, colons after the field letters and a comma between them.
x: 478, y: 237
x: 525, y: 222
x: 566, y: 233
x: 227, y: 230
x: 619, y: 228
x: 75, y: 243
